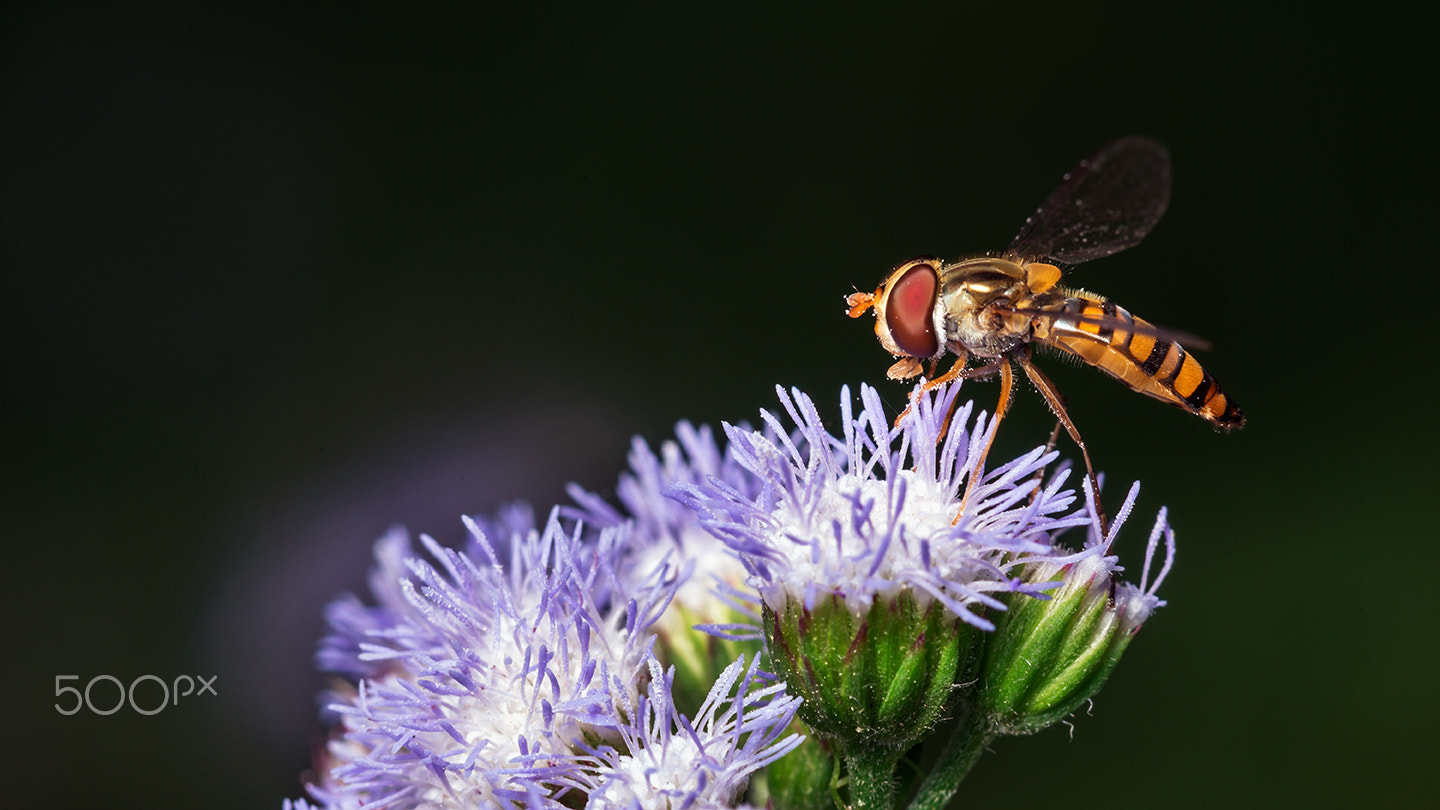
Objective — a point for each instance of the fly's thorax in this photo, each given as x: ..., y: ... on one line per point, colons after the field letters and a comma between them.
x: 977, y: 296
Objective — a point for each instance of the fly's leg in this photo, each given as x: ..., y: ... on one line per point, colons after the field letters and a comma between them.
x: 1057, y: 405
x: 969, y: 374
x: 1007, y: 383
x: 1038, y: 478
x: 956, y: 371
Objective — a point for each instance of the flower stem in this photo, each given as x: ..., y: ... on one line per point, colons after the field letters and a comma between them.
x: 871, y: 772
x: 959, y: 756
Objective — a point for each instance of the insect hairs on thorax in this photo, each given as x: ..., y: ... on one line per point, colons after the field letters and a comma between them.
x: 979, y: 296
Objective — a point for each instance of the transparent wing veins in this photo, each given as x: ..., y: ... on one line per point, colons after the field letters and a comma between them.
x: 1104, y: 205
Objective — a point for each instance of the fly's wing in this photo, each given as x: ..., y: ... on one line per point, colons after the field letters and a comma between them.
x: 1104, y: 205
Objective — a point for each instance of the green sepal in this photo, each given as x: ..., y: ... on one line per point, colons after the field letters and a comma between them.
x: 880, y: 681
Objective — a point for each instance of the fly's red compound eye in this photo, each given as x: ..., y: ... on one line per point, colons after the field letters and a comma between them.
x: 909, y: 311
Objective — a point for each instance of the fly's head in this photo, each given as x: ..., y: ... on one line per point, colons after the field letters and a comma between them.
x: 908, y: 320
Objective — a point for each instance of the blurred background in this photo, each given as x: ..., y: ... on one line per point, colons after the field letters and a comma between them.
x: 274, y: 279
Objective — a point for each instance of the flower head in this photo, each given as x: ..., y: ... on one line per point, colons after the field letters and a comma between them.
x: 664, y: 529
x: 875, y: 569
x: 893, y: 581
x: 878, y: 510
x: 669, y: 761
x: 710, y: 588
x: 884, y: 560
x: 479, y: 681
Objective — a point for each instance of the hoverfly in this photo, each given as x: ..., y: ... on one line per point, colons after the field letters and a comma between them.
x: 996, y: 309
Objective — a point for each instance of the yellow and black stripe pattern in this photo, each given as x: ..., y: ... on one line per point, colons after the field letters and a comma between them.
x: 1104, y: 335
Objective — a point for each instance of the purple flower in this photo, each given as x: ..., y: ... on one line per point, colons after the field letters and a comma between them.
x: 879, y: 510
x: 666, y: 760
x: 711, y: 594
x: 895, y: 581
x: 479, y: 681
x: 667, y: 531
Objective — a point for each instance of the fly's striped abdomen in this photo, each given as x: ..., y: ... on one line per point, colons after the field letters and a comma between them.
x: 1105, y: 336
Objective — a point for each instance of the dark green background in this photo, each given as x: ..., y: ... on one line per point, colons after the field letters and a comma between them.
x: 275, y: 279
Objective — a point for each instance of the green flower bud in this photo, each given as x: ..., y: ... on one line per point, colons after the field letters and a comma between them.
x: 1048, y: 656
